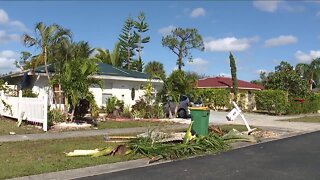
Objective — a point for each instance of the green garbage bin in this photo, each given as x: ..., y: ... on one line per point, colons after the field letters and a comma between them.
x: 200, y: 118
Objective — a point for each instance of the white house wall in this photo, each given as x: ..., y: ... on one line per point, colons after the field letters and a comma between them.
x: 121, y: 90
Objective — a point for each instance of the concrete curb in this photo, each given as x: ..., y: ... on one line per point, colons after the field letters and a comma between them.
x: 90, y: 171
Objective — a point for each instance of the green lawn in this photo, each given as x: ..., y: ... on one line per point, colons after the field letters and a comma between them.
x: 130, y: 124
x: 10, y: 125
x: 35, y: 157
x: 312, y: 119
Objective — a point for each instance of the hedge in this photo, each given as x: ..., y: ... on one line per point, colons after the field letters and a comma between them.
x: 214, y: 98
x: 272, y: 100
x: 310, y: 104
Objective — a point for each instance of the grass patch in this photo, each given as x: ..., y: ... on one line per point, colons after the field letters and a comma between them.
x: 10, y: 125
x: 131, y: 124
x: 36, y: 157
x: 312, y: 119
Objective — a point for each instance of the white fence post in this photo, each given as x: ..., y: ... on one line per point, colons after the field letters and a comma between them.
x: 45, y: 111
x: 19, y: 104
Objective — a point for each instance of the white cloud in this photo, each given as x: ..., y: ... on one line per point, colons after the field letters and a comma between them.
x: 4, y: 37
x: 274, y: 5
x: 281, y: 40
x: 307, y: 57
x: 7, y: 58
x: 199, y: 65
x: 198, y: 61
x: 4, y: 18
x: 230, y: 44
x: 198, y: 12
x: 268, y: 6
x: 166, y: 30
x: 19, y: 25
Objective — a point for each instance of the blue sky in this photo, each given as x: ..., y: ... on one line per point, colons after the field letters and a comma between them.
x: 260, y: 34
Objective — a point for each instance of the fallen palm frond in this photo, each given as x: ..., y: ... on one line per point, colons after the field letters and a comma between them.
x: 200, y: 145
x: 234, y: 136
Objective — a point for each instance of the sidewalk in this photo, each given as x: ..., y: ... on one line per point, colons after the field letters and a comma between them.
x: 85, y: 133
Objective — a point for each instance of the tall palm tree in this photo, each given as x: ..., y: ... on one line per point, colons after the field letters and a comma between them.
x: 310, y: 72
x: 46, y: 37
x: 155, y: 69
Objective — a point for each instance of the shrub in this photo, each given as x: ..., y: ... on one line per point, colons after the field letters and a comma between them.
x: 29, y: 93
x: 272, y: 100
x: 143, y: 110
x: 126, y: 112
x: 114, y: 104
x: 214, y: 98
x: 55, y: 116
x: 311, y: 104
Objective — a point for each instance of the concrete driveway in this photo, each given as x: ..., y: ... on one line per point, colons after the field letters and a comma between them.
x: 260, y: 120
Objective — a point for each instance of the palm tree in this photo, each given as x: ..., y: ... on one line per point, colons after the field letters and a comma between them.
x: 46, y: 38
x: 310, y: 72
x: 77, y: 77
x: 155, y: 68
x: 112, y: 58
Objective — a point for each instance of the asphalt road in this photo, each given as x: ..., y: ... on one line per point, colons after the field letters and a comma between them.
x: 289, y: 159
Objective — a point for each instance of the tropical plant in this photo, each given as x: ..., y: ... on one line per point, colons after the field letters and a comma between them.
x: 46, y: 37
x: 181, y: 41
x: 155, y: 69
x: 233, y: 68
x: 141, y: 27
x: 112, y: 58
x: 310, y: 72
x: 76, y: 80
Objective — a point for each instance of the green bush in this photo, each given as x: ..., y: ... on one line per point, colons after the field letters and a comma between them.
x: 112, y: 104
x: 214, y: 98
x: 311, y: 104
x: 55, y: 116
x: 29, y: 93
x: 272, y: 100
x: 143, y: 110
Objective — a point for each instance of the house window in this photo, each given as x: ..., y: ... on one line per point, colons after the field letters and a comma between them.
x: 105, y: 97
x: 59, y: 97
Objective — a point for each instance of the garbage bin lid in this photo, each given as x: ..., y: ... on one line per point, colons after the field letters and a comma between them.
x: 199, y: 108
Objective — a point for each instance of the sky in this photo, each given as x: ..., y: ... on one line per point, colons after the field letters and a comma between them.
x: 260, y: 34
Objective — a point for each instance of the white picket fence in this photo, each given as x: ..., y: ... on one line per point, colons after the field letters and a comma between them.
x: 29, y: 109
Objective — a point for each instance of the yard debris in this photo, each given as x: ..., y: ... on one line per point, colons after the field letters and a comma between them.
x: 158, y: 136
x: 265, y: 134
x: 216, y: 129
x: 118, y: 139
x: 112, y: 150
x: 82, y: 152
x: 188, y: 136
x: 234, y: 135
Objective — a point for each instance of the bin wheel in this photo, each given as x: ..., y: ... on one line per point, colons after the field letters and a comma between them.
x: 182, y: 113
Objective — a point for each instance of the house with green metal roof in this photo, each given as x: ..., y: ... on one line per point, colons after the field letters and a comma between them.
x: 126, y: 85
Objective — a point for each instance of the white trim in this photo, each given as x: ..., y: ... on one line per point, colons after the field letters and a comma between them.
x: 227, y: 87
x: 123, y: 78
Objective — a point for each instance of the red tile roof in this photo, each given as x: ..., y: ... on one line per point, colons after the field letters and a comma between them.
x: 226, y: 82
